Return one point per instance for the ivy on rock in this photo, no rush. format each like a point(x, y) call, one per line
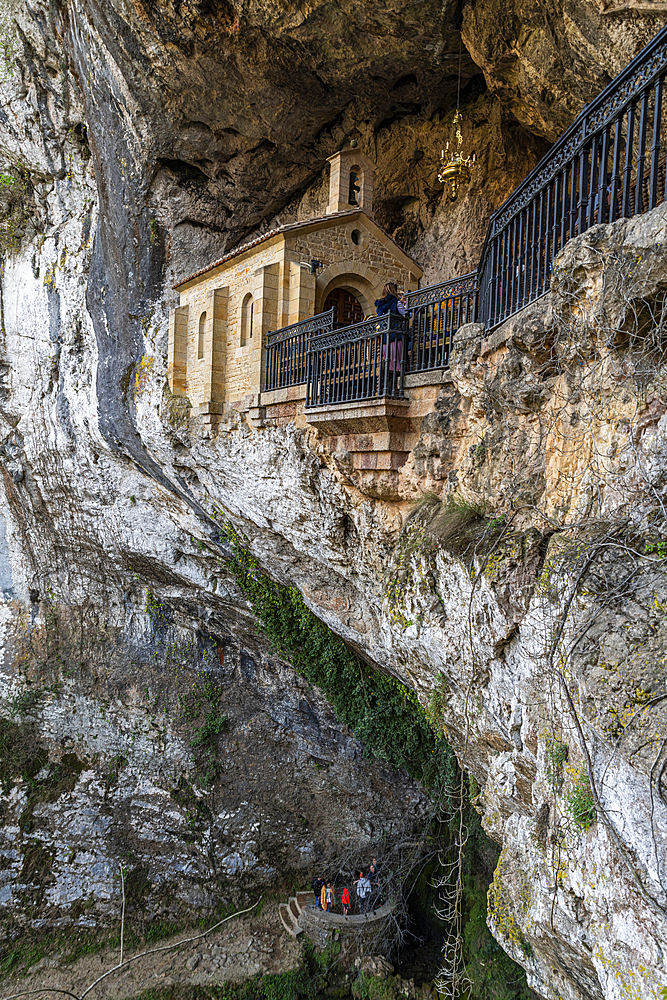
point(383, 713)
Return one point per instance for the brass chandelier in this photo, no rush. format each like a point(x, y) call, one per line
point(455, 165)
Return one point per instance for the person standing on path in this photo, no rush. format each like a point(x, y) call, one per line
point(327, 898)
point(316, 886)
point(346, 902)
point(363, 892)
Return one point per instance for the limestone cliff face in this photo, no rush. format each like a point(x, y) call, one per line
point(143, 139)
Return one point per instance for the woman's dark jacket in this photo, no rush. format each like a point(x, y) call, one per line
point(388, 304)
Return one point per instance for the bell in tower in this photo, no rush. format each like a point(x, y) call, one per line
point(350, 181)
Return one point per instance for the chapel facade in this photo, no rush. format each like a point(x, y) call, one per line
point(218, 331)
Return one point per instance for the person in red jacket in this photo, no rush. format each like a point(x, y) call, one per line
point(346, 902)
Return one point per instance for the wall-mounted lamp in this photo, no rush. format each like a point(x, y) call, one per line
point(313, 265)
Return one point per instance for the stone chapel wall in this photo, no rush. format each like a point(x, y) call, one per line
point(216, 356)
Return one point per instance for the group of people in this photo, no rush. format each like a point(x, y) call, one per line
point(367, 890)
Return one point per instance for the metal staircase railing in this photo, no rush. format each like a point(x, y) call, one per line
point(609, 164)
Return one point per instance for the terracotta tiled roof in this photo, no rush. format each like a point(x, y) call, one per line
point(275, 232)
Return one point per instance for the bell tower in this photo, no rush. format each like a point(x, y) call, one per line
point(350, 181)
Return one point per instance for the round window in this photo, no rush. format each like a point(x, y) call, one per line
point(355, 236)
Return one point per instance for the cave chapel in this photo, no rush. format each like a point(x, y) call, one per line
point(343, 259)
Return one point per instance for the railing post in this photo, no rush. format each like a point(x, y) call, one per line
point(546, 259)
point(583, 182)
point(492, 285)
point(655, 146)
point(309, 379)
point(404, 351)
point(267, 366)
point(641, 154)
point(603, 178)
point(627, 167)
point(615, 173)
point(592, 180)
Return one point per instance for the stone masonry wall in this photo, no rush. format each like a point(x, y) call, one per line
point(240, 277)
point(283, 292)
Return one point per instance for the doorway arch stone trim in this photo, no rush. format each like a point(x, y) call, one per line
point(364, 282)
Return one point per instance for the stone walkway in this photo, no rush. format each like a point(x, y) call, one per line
point(239, 950)
point(357, 931)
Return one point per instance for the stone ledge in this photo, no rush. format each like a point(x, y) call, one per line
point(289, 394)
point(435, 376)
point(337, 921)
point(494, 340)
point(208, 409)
point(360, 417)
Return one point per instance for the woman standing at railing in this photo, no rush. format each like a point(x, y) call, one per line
point(389, 303)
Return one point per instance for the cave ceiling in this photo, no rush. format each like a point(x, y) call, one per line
point(239, 105)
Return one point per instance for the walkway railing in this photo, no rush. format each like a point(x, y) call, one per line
point(358, 362)
point(610, 164)
point(286, 350)
point(436, 313)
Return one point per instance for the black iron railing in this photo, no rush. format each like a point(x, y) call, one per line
point(286, 350)
point(359, 362)
point(435, 314)
point(610, 164)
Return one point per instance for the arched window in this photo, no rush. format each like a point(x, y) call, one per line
point(355, 186)
point(200, 341)
point(246, 319)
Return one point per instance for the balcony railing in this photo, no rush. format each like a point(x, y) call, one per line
point(610, 164)
point(359, 362)
point(435, 314)
point(286, 350)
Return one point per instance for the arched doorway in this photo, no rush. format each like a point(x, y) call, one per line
point(348, 308)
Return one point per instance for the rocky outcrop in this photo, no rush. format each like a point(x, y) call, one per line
point(546, 60)
point(492, 605)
